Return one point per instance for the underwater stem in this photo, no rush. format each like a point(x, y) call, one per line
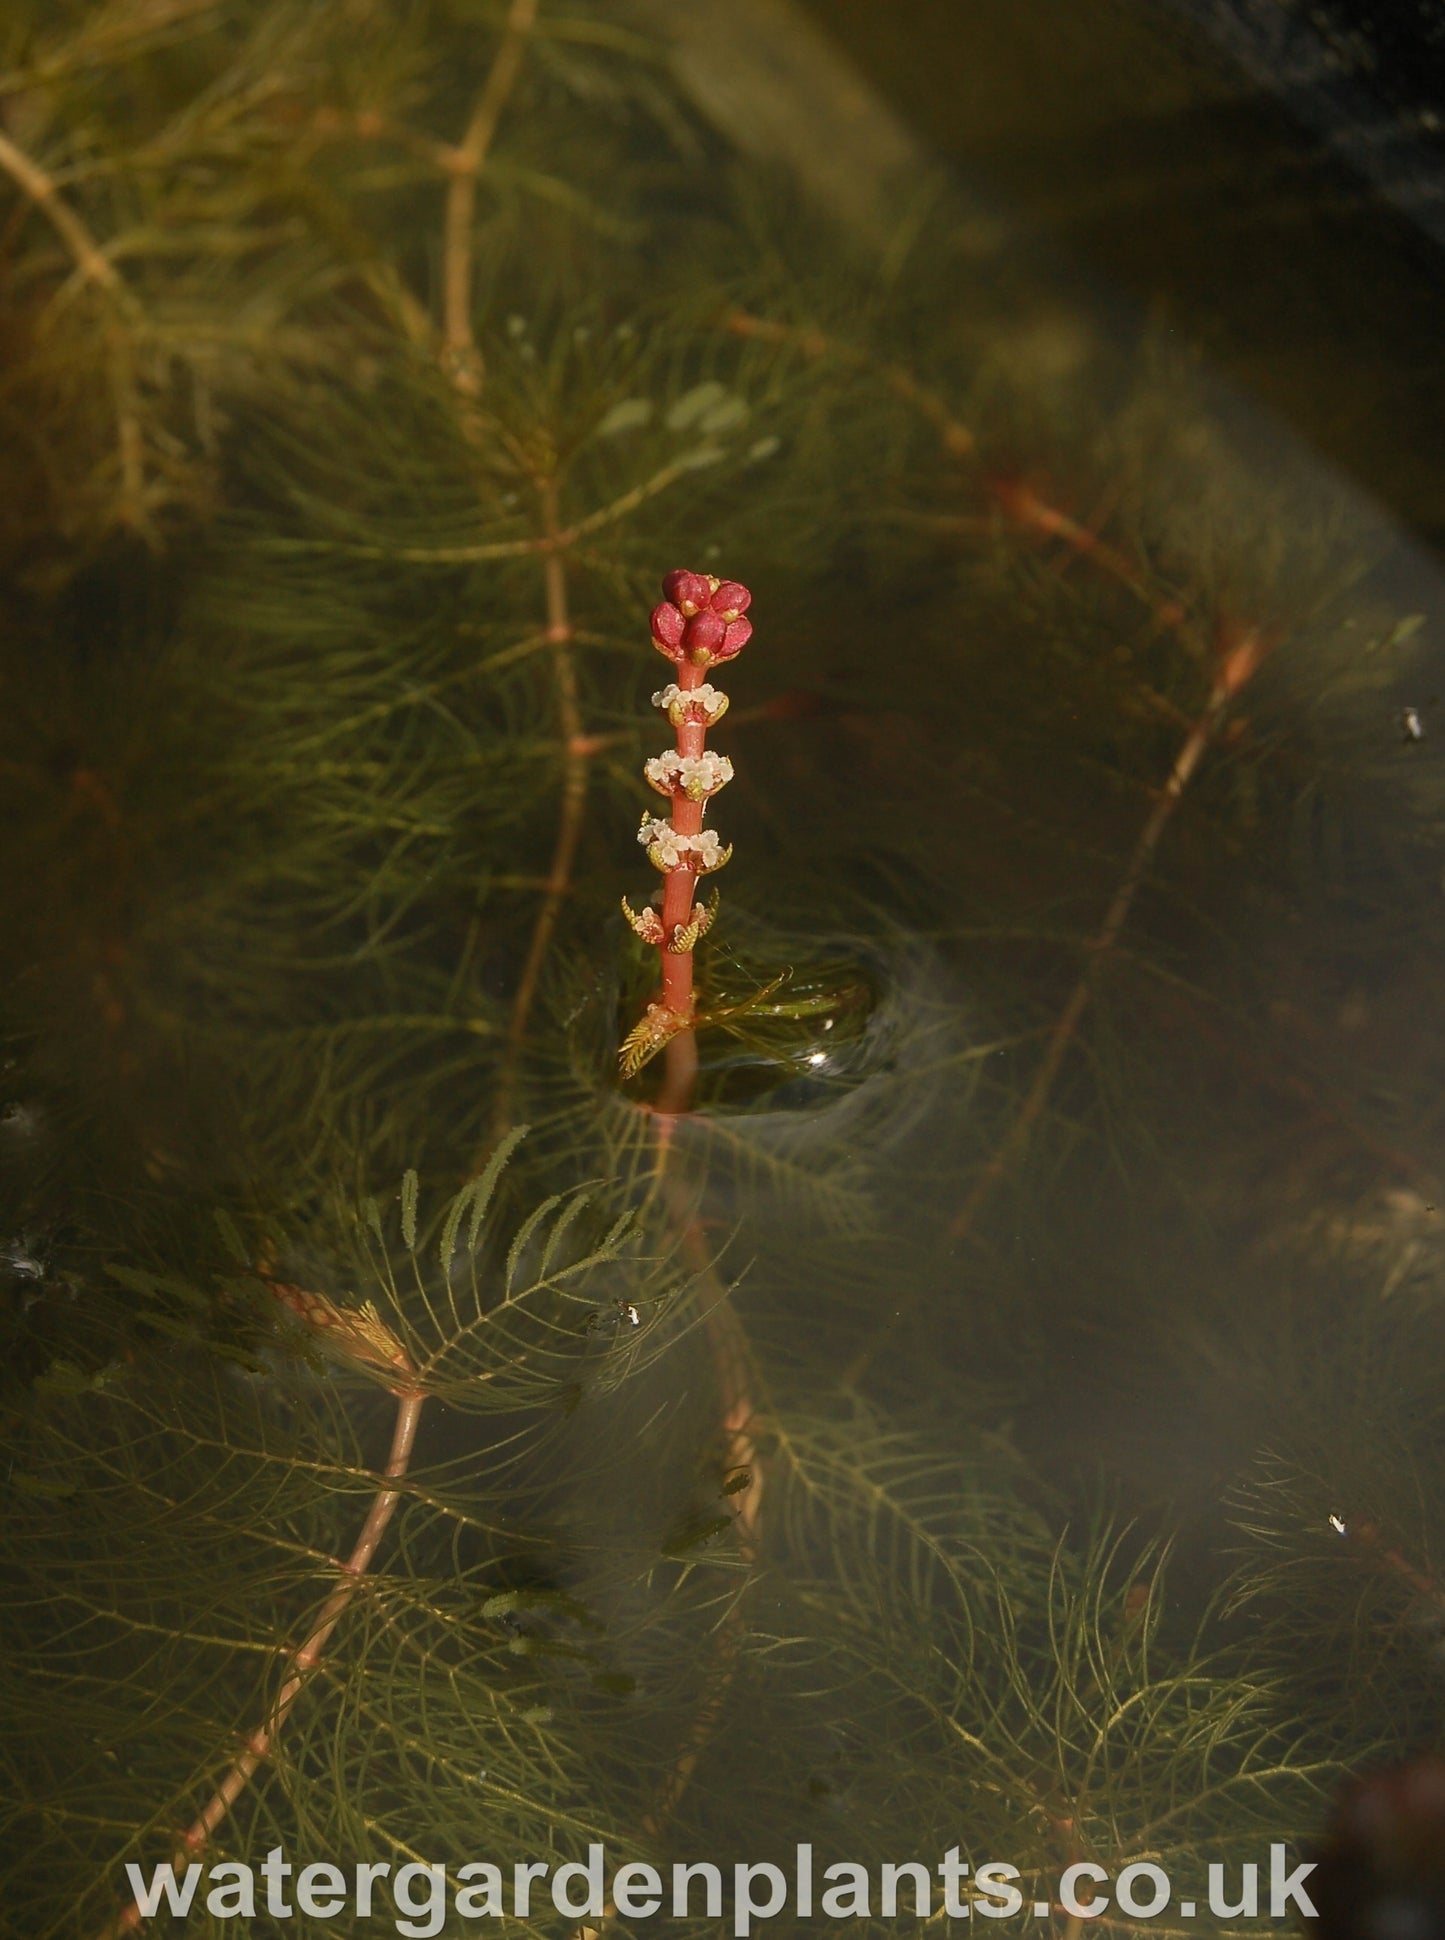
point(92, 263)
point(732, 1364)
point(1018, 502)
point(95, 266)
point(957, 438)
point(1239, 661)
point(1023, 505)
point(578, 754)
point(1367, 1536)
point(698, 625)
point(301, 1661)
point(129, 434)
point(1236, 669)
point(465, 163)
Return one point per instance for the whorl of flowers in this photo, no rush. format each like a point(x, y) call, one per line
point(697, 775)
point(698, 625)
point(704, 705)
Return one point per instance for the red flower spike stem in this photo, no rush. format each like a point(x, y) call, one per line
point(698, 625)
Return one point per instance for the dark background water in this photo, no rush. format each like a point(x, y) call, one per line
point(1264, 178)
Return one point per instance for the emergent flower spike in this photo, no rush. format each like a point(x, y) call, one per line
point(698, 625)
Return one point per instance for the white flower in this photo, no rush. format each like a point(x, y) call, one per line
point(709, 851)
point(662, 842)
point(704, 774)
point(661, 769)
point(646, 922)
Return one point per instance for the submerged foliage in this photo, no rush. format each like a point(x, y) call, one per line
point(1062, 1138)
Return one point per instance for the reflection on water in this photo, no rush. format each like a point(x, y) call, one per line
point(1003, 1413)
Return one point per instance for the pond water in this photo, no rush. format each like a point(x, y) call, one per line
point(993, 1415)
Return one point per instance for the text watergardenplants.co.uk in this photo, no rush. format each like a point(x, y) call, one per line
point(417, 1897)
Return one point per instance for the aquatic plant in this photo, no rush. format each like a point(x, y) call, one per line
point(698, 625)
point(730, 1476)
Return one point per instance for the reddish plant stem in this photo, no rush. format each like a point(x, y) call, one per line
point(698, 625)
point(1367, 1536)
point(1018, 502)
point(577, 754)
point(1318, 1112)
point(679, 1082)
point(465, 165)
point(301, 1661)
point(732, 1366)
point(93, 265)
point(679, 884)
point(1237, 667)
point(1026, 508)
point(957, 438)
point(680, 1059)
point(1021, 504)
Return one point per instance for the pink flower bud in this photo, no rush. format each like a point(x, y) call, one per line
point(704, 635)
point(689, 591)
point(734, 639)
point(730, 600)
point(668, 626)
